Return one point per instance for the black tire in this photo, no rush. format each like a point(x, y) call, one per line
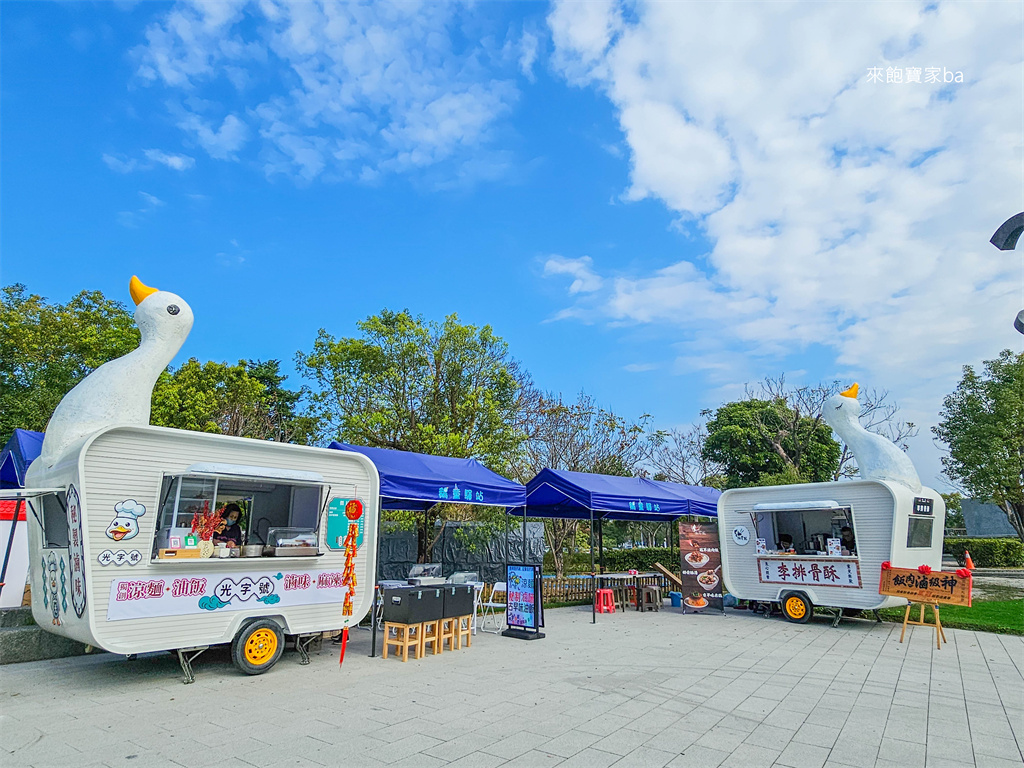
point(796, 607)
point(257, 646)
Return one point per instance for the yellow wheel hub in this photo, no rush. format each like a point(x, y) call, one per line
point(260, 646)
point(796, 607)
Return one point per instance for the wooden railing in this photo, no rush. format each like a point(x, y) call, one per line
point(573, 589)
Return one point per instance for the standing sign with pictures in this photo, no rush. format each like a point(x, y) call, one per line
point(524, 611)
point(701, 561)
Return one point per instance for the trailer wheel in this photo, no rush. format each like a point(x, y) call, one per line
point(257, 646)
point(796, 607)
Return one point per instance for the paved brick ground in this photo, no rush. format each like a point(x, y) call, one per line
point(641, 691)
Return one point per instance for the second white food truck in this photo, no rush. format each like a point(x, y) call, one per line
point(888, 522)
point(824, 543)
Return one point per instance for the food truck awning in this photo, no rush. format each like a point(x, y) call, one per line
point(20, 451)
point(418, 481)
point(562, 494)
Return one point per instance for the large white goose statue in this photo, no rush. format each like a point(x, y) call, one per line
point(121, 391)
point(877, 458)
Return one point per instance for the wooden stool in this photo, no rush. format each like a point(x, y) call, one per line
point(463, 631)
point(406, 636)
point(447, 633)
point(430, 632)
point(652, 598)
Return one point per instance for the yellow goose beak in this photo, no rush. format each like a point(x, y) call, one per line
point(851, 392)
point(140, 290)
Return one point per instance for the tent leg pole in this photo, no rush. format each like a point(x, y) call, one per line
point(376, 576)
point(600, 543)
point(10, 543)
point(593, 579)
point(524, 535)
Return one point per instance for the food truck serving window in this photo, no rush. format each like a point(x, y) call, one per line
point(52, 514)
point(264, 504)
point(806, 530)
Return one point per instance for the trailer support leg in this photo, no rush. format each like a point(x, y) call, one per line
point(303, 644)
point(186, 661)
point(837, 617)
point(878, 618)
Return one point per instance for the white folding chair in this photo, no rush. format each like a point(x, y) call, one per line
point(478, 588)
point(492, 606)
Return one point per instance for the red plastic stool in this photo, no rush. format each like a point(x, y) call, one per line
point(605, 601)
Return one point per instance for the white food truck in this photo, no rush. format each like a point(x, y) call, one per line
point(115, 565)
point(785, 545)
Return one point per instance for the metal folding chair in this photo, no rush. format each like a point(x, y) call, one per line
point(492, 606)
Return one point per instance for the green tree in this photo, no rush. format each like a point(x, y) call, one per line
point(245, 400)
point(766, 441)
point(954, 510)
point(982, 423)
point(577, 436)
point(447, 389)
point(49, 347)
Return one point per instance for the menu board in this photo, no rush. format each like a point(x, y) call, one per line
point(524, 607)
point(701, 565)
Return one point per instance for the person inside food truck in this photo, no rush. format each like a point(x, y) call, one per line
point(847, 542)
point(229, 532)
point(785, 542)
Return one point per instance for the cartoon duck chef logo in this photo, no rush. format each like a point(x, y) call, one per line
point(125, 525)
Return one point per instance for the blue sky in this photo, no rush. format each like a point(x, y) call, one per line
point(654, 203)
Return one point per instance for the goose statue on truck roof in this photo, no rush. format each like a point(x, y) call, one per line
point(121, 391)
point(877, 458)
point(113, 561)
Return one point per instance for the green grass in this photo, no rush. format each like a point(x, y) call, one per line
point(1003, 616)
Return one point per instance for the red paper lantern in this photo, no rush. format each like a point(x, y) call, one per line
point(924, 569)
point(354, 509)
point(886, 565)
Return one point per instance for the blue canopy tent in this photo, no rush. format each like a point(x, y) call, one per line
point(417, 481)
point(20, 451)
point(557, 493)
point(575, 495)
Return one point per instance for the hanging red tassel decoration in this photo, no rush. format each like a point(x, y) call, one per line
point(344, 642)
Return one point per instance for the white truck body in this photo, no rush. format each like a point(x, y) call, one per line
point(103, 584)
point(882, 515)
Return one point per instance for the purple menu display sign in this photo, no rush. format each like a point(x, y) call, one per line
point(701, 565)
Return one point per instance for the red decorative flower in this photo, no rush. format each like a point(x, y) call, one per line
point(963, 573)
point(886, 565)
point(925, 569)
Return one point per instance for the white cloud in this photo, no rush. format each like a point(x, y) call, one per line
point(345, 90)
point(640, 367)
point(153, 157)
point(840, 213)
point(528, 46)
point(121, 165)
point(175, 162)
point(221, 143)
point(134, 219)
point(585, 279)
